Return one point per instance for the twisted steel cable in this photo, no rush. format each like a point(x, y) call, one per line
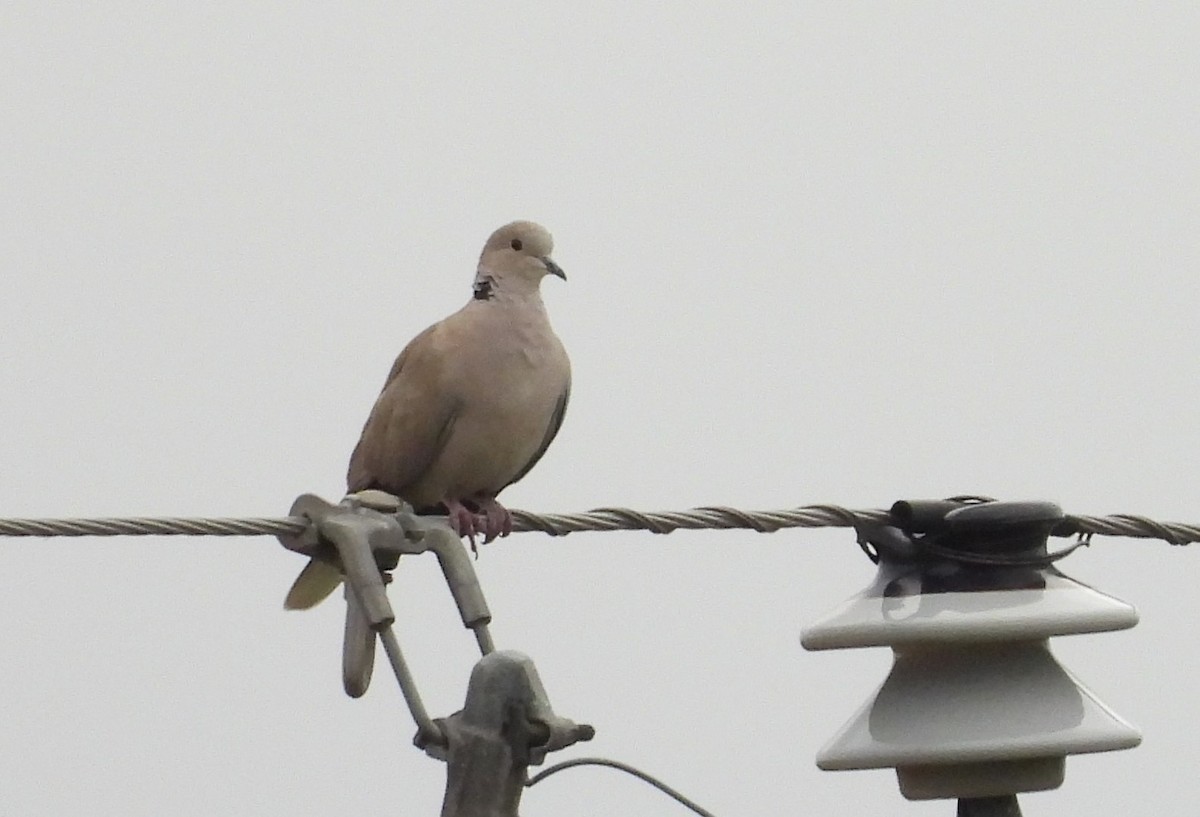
point(153, 526)
point(600, 519)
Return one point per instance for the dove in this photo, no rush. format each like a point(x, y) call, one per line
point(470, 405)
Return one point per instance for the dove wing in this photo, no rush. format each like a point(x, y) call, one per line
point(410, 423)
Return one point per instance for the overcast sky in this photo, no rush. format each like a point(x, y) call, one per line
point(818, 252)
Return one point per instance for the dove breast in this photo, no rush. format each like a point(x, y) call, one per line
point(471, 405)
point(509, 378)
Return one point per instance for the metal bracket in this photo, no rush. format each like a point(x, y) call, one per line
point(364, 537)
point(506, 725)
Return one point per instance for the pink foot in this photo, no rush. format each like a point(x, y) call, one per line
point(498, 519)
point(463, 522)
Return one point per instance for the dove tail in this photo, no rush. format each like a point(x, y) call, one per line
point(316, 581)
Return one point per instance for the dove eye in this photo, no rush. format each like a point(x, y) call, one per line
point(516, 244)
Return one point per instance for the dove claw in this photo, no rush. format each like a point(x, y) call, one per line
point(497, 518)
point(463, 522)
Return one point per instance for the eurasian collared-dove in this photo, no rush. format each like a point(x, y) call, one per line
point(470, 405)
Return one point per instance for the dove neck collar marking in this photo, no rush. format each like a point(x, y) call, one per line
point(485, 288)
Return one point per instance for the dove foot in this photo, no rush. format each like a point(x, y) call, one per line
point(464, 522)
point(498, 520)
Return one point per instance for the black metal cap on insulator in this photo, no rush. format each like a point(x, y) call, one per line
point(980, 527)
point(1004, 527)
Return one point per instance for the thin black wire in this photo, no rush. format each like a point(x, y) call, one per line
point(624, 767)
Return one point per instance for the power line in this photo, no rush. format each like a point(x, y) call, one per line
point(598, 520)
point(153, 526)
point(628, 769)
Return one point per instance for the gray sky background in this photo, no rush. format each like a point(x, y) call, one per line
point(840, 252)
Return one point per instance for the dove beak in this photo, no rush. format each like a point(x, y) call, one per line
point(554, 269)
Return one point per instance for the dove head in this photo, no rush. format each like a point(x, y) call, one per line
point(515, 259)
